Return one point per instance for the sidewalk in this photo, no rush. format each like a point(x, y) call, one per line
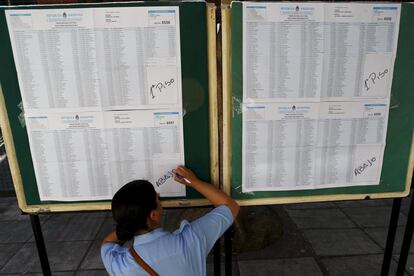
point(338, 238)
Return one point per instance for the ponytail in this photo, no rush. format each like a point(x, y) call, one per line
point(124, 233)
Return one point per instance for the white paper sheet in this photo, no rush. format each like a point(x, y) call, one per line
point(79, 156)
point(291, 146)
point(97, 58)
point(318, 52)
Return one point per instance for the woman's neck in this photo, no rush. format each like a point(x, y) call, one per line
point(150, 228)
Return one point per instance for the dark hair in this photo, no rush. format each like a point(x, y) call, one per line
point(131, 206)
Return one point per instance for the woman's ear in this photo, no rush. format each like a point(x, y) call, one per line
point(155, 217)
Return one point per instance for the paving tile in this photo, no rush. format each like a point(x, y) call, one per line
point(43, 218)
point(405, 205)
point(313, 205)
point(320, 218)
point(288, 267)
point(15, 231)
point(10, 211)
point(92, 273)
point(106, 227)
point(54, 273)
point(373, 216)
point(380, 236)
point(339, 242)
point(93, 257)
point(63, 256)
point(70, 229)
point(409, 267)
point(291, 244)
point(369, 265)
point(364, 203)
point(7, 251)
point(79, 215)
point(8, 200)
point(234, 269)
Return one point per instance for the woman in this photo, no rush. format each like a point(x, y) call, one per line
point(137, 211)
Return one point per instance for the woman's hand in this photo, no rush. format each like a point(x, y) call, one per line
point(185, 176)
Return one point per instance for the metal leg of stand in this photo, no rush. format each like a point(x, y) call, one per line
point(216, 256)
point(392, 230)
point(40, 244)
point(228, 235)
point(408, 234)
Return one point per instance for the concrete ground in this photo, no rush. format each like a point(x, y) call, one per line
point(338, 238)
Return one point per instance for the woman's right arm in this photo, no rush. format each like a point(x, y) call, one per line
point(214, 195)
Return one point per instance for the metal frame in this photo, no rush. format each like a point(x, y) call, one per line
point(406, 243)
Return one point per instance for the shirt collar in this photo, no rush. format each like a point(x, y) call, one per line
point(150, 236)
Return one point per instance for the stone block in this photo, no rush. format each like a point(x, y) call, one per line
point(288, 267)
point(320, 218)
point(63, 256)
point(339, 242)
point(369, 265)
point(373, 216)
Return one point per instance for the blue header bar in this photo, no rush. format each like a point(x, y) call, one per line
point(385, 8)
point(161, 11)
point(166, 113)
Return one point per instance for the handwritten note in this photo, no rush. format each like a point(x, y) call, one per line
point(164, 182)
point(163, 179)
point(373, 79)
point(159, 87)
point(163, 85)
point(365, 165)
point(376, 78)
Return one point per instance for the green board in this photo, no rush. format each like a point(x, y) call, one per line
point(400, 125)
point(194, 48)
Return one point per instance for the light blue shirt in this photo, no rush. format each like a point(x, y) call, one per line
point(181, 253)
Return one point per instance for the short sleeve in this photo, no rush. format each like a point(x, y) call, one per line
point(107, 255)
point(210, 227)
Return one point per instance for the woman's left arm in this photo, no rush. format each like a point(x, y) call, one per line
point(111, 238)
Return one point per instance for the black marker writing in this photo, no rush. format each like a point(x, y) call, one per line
point(365, 165)
point(373, 77)
point(165, 177)
point(158, 87)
